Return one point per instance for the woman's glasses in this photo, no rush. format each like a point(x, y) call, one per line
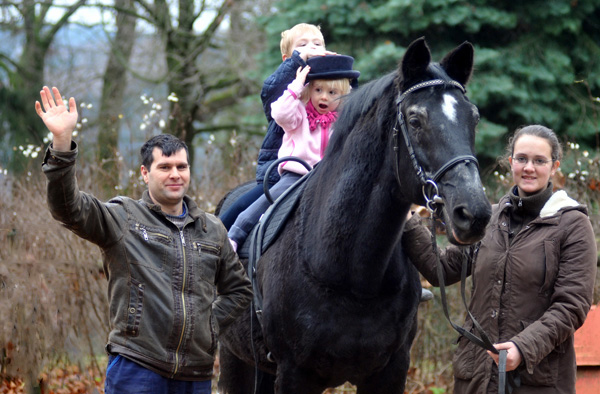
point(523, 160)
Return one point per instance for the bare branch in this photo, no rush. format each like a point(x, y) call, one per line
point(159, 15)
point(62, 21)
point(9, 60)
point(129, 11)
point(202, 42)
point(148, 9)
point(44, 9)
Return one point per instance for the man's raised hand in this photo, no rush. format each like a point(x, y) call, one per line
point(58, 119)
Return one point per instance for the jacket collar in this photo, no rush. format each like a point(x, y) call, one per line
point(558, 201)
point(529, 206)
point(556, 204)
point(193, 210)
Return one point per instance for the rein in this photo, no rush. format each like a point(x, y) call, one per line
point(432, 198)
point(483, 340)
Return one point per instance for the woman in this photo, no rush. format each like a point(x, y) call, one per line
point(533, 275)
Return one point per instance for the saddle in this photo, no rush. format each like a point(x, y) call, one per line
point(271, 223)
point(266, 232)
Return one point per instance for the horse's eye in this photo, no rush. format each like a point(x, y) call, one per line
point(414, 122)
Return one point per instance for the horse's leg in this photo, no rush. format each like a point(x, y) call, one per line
point(392, 378)
point(293, 380)
point(236, 376)
point(266, 383)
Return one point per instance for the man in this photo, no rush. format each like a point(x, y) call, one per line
point(163, 258)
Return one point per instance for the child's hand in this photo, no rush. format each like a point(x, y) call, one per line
point(301, 74)
point(308, 52)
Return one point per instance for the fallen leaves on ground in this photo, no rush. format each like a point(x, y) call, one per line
point(67, 380)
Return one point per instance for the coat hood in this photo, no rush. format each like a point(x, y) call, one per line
point(558, 201)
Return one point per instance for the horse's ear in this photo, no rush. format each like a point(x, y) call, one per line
point(458, 63)
point(415, 60)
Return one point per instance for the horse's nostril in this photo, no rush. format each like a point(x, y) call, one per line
point(462, 218)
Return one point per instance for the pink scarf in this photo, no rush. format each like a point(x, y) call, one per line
point(325, 120)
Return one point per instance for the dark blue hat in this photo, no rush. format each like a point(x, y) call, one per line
point(332, 67)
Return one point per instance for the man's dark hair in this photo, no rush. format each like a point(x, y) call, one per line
point(167, 143)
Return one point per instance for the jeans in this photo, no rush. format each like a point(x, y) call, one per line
point(247, 220)
point(124, 376)
point(228, 217)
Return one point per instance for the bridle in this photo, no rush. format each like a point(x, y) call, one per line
point(428, 182)
point(432, 199)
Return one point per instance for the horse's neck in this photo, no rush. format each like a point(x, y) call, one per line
point(354, 225)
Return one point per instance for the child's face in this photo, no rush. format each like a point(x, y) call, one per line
point(308, 40)
point(324, 98)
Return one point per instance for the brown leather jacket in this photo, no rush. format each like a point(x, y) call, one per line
point(170, 290)
point(534, 291)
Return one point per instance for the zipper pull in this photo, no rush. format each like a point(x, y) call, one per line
point(182, 238)
point(520, 203)
point(145, 233)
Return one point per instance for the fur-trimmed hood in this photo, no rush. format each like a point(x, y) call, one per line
point(558, 201)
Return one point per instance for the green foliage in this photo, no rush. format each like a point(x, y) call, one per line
point(384, 59)
point(535, 61)
point(22, 78)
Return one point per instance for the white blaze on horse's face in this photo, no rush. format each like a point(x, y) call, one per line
point(449, 107)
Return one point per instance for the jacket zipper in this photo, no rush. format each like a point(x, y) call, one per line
point(182, 303)
point(145, 232)
point(216, 250)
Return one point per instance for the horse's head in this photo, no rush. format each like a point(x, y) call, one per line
point(436, 128)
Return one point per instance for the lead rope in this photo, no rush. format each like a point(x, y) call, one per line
point(482, 341)
point(429, 184)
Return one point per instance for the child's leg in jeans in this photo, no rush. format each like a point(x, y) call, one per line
point(228, 217)
point(247, 220)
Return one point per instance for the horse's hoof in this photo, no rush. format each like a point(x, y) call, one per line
point(426, 295)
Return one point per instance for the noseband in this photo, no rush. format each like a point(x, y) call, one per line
point(428, 182)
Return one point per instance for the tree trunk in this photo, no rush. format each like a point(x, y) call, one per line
point(27, 78)
point(113, 90)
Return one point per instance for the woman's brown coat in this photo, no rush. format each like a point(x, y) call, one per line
point(534, 291)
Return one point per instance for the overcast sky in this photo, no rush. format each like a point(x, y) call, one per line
point(91, 14)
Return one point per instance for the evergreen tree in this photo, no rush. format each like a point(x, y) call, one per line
point(536, 61)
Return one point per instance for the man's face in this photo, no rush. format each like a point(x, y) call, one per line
point(168, 177)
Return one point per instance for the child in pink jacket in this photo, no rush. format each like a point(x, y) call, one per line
point(306, 114)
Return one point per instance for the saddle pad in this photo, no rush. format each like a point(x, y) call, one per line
point(274, 218)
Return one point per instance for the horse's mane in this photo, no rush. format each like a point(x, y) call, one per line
point(358, 103)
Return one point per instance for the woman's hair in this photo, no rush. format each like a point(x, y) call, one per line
point(288, 36)
point(537, 131)
point(342, 85)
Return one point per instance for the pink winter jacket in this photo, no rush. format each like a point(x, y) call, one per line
point(290, 113)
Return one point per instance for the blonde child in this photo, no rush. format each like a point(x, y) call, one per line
point(306, 114)
point(298, 44)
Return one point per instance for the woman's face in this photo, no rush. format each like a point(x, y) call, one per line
point(531, 164)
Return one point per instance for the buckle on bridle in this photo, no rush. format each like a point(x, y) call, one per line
point(431, 194)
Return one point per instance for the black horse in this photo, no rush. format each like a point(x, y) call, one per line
point(340, 297)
